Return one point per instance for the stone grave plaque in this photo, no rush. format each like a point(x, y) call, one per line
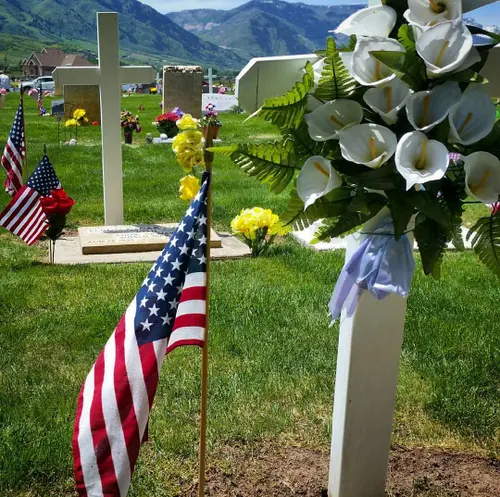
point(57, 108)
point(132, 238)
point(182, 87)
point(84, 97)
point(223, 103)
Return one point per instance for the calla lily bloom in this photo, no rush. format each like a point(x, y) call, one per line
point(372, 21)
point(432, 12)
point(444, 47)
point(426, 109)
point(316, 178)
point(420, 160)
point(325, 121)
point(482, 176)
point(388, 100)
point(366, 69)
point(369, 144)
point(472, 118)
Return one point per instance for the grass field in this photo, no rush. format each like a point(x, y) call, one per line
point(272, 353)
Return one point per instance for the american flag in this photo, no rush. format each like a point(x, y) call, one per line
point(39, 101)
point(14, 153)
point(115, 401)
point(24, 216)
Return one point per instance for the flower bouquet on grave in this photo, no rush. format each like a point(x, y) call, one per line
point(166, 123)
point(259, 228)
point(129, 123)
point(211, 118)
point(79, 115)
point(56, 207)
point(395, 129)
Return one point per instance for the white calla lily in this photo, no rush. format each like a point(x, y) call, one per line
point(316, 178)
point(366, 69)
point(471, 59)
point(388, 100)
point(426, 109)
point(420, 160)
point(472, 118)
point(432, 12)
point(369, 144)
point(482, 176)
point(372, 21)
point(325, 121)
point(444, 47)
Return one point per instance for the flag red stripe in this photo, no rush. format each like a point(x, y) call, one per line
point(80, 484)
point(149, 369)
point(102, 447)
point(181, 343)
point(189, 320)
point(194, 293)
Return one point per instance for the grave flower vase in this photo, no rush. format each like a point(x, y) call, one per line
point(215, 131)
point(127, 134)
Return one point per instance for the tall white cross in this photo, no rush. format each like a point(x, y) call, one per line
point(210, 77)
point(109, 76)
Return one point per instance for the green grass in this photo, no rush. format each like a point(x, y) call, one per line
point(272, 352)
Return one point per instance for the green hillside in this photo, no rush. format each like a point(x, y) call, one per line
point(145, 34)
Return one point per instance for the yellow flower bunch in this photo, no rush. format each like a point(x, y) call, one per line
point(71, 122)
point(187, 121)
point(79, 114)
point(188, 146)
point(259, 227)
point(189, 187)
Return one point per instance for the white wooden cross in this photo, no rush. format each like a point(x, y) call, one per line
point(109, 76)
point(210, 77)
point(370, 341)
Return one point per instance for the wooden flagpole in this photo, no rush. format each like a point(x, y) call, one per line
point(209, 158)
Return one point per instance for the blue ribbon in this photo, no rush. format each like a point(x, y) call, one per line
point(381, 265)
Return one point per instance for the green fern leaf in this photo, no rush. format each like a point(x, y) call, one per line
point(287, 111)
point(405, 37)
point(272, 163)
point(486, 241)
point(335, 81)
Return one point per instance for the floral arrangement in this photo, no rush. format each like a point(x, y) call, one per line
point(71, 123)
point(187, 145)
point(166, 123)
point(3, 91)
point(396, 125)
point(189, 187)
point(211, 117)
point(79, 115)
point(56, 207)
point(129, 122)
point(153, 90)
point(95, 123)
point(259, 228)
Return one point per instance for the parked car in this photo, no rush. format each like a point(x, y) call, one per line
point(47, 83)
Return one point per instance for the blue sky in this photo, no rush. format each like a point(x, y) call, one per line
point(485, 15)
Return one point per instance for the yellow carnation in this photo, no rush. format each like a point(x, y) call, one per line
point(187, 122)
point(71, 122)
point(189, 187)
point(79, 114)
point(189, 158)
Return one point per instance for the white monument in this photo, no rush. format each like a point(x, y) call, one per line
point(370, 341)
point(109, 76)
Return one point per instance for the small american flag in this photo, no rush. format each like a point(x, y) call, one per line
point(115, 401)
point(14, 153)
point(39, 101)
point(24, 215)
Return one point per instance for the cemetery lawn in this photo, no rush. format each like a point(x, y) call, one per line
point(272, 352)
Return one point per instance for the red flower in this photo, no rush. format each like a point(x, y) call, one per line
point(168, 117)
point(95, 123)
point(64, 206)
point(49, 206)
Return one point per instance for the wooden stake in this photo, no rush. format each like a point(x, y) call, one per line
point(209, 158)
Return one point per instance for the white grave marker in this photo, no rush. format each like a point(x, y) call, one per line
point(210, 77)
point(370, 341)
point(109, 76)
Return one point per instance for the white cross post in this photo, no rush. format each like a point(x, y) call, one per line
point(210, 77)
point(109, 76)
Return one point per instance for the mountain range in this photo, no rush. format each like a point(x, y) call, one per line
point(266, 27)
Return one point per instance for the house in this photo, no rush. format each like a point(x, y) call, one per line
point(44, 62)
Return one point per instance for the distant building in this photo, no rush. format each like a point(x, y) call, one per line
point(44, 62)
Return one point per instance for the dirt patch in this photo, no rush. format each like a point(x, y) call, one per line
point(292, 471)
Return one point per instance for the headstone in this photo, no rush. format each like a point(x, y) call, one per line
point(57, 108)
point(124, 239)
point(223, 103)
point(82, 97)
point(182, 87)
point(266, 77)
point(110, 77)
